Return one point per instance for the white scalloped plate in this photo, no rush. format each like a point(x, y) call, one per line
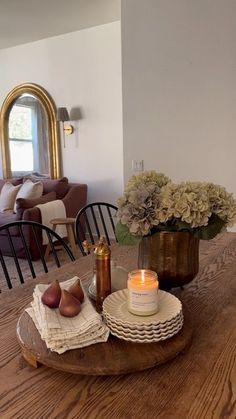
point(150, 330)
point(115, 306)
point(140, 338)
point(145, 334)
point(157, 326)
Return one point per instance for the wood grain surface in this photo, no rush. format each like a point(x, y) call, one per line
point(201, 383)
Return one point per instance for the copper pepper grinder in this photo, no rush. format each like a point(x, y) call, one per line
point(103, 272)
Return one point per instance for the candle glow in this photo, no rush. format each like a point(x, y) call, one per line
point(143, 287)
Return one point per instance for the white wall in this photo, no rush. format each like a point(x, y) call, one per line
point(179, 88)
point(80, 69)
point(179, 92)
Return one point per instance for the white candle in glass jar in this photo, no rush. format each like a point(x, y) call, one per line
point(142, 292)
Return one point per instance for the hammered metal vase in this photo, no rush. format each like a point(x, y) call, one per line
point(173, 255)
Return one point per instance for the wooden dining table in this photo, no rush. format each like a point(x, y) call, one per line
point(199, 383)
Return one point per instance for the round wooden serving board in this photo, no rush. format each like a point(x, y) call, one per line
point(113, 357)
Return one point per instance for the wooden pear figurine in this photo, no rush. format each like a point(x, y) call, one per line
point(76, 290)
point(52, 295)
point(69, 306)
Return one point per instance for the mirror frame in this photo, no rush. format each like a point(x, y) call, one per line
point(49, 107)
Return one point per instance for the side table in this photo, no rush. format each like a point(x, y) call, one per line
point(69, 224)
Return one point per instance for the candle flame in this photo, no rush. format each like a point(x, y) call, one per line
point(142, 276)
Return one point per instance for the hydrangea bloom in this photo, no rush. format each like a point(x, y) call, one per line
point(137, 208)
point(151, 202)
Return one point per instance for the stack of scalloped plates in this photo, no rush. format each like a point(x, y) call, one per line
point(143, 329)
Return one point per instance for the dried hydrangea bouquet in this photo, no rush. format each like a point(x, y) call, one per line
point(152, 204)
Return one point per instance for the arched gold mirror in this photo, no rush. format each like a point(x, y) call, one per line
point(29, 133)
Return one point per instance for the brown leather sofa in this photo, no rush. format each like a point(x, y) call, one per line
point(74, 196)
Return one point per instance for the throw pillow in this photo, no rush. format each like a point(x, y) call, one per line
point(29, 190)
point(22, 204)
point(14, 181)
point(60, 186)
point(8, 196)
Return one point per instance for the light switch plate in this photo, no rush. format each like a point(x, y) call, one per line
point(137, 165)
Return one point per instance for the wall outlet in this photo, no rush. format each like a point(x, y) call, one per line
point(137, 165)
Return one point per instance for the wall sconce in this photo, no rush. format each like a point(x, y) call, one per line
point(62, 116)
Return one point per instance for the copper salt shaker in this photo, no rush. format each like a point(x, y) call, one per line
point(103, 272)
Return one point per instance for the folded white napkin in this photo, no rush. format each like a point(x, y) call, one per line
point(64, 333)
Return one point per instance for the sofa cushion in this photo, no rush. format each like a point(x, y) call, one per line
point(22, 204)
point(6, 218)
point(8, 196)
point(16, 180)
point(29, 190)
point(60, 186)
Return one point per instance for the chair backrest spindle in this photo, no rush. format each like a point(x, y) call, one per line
point(95, 220)
point(40, 250)
point(10, 251)
point(27, 252)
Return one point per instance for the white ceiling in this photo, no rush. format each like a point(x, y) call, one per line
point(23, 21)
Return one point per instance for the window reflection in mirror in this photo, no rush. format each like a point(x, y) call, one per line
point(28, 136)
point(29, 133)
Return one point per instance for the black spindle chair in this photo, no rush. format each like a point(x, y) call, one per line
point(93, 221)
point(14, 242)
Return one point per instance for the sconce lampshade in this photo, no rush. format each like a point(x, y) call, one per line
point(62, 114)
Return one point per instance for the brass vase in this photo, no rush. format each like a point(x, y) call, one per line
point(173, 255)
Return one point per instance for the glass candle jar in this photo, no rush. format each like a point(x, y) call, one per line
point(142, 292)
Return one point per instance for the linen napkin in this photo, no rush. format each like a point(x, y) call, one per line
point(63, 333)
